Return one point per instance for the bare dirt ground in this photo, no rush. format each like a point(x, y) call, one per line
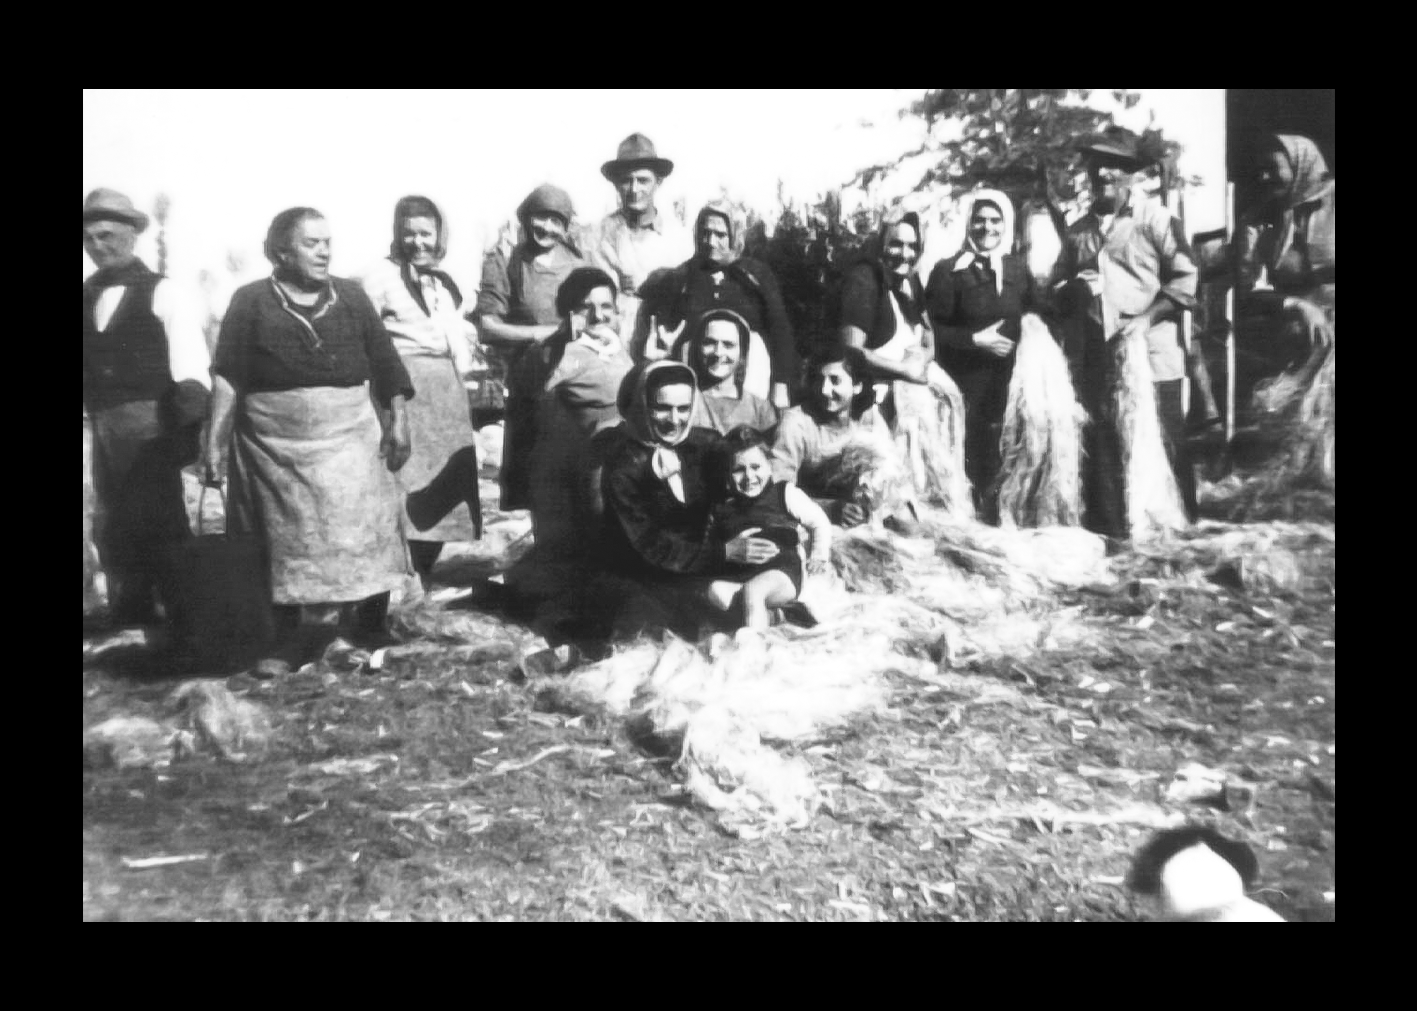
point(442, 787)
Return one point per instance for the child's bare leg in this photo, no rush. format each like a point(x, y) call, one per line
point(764, 591)
point(721, 593)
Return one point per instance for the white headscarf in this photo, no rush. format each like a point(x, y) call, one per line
point(995, 256)
point(635, 409)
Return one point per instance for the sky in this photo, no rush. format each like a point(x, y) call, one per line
point(229, 160)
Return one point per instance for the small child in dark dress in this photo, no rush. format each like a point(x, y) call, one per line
point(752, 501)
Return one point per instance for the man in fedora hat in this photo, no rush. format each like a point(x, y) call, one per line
point(637, 240)
point(1129, 273)
point(146, 388)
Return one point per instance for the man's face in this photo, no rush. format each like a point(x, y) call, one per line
point(309, 252)
point(900, 251)
point(110, 243)
point(637, 190)
point(713, 240)
point(419, 239)
point(720, 349)
point(546, 230)
point(834, 389)
point(597, 309)
point(669, 411)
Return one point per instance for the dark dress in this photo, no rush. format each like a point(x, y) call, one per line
point(961, 303)
point(768, 512)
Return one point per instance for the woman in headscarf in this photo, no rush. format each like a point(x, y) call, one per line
point(308, 380)
point(715, 346)
point(1287, 257)
point(420, 307)
point(880, 311)
point(657, 548)
point(719, 276)
point(516, 309)
point(975, 300)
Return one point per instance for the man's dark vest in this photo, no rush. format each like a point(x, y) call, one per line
point(128, 361)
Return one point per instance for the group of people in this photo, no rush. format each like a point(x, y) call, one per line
point(647, 379)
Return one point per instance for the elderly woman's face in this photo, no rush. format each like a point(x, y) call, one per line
point(596, 310)
point(418, 237)
point(714, 240)
point(546, 229)
point(669, 410)
point(986, 227)
point(308, 255)
point(720, 350)
point(900, 253)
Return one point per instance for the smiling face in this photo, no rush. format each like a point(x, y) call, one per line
point(833, 389)
point(714, 240)
point(986, 227)
point(308, 256)
point(546, 230)
point(901, 249)
point(750, 472)
point(110, 244)
point(720, 349)
point(669, 410)
point(636, 190)
point(418, 238)
point(597, 309)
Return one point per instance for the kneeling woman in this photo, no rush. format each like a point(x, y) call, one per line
point(295, 362)
point(658, 551)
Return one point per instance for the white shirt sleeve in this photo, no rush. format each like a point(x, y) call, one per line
point(811, 516)
point(187, 353)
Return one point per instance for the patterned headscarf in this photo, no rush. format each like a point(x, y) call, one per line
point(1311, 182)
point(737, 220)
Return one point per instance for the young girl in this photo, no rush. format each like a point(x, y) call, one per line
point(753, 501)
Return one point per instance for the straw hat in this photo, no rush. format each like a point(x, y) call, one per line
point(110, 205)
point(636, 152)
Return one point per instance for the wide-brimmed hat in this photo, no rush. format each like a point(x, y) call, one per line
point(1118, 144)
point(636, 152)
point(110, 205)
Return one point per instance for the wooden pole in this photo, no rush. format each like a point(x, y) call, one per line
point(1179, 198)
point(1230, 322)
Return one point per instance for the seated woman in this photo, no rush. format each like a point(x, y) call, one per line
point(881, 313)
point(419, 305)
point(839, 410)
point(1287, 251)
point(658, 553)
point(751, 501)
point(719, 276)
point(713, 346)
point(516, 309)
point(300, 364)
point(976, 299)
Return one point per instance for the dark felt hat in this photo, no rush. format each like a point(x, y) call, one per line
point(1118, 144)
point(636, 152)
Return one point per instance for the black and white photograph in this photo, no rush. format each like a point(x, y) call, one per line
point(825, 505)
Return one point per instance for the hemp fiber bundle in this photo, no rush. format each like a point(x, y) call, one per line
point(1303, 404)
point(1041, 443)
point(929, 435)
point(1153, 500)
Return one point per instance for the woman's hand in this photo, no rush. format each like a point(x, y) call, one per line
point(780, 399)
point(849, 514)
point(818, 566)
point(661, 339)
point(990, 340)
point(397, 443)
point(1315, 320)
point(214, 465)
point(749, 550)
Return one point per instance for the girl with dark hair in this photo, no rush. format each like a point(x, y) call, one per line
point(420, 307)
point(311, 393)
